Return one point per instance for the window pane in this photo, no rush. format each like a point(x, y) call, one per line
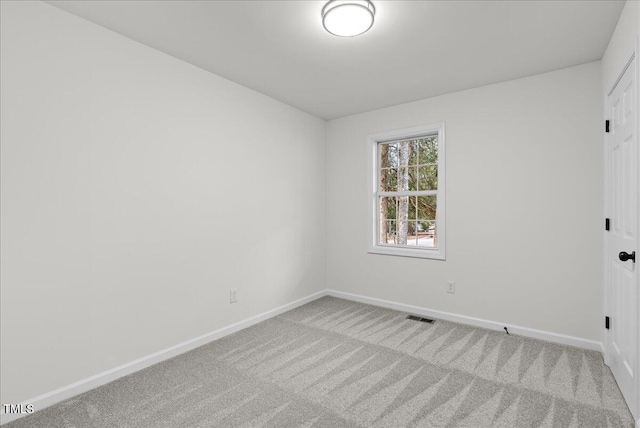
point(428, 150)
point(413, 178)
point(388, 179)
point(412, 211)
point(428, 177)
point(388, 208)
point(388, 155)
point(413, 152)
point(403, 179)
point(403, 213)
point(427, 206)
point(413, 236)
point(427, 236)
point(387, 220)
point(388, 232)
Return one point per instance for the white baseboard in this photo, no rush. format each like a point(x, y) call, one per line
point(478, 322)
point(50, 398)
point(66, 392)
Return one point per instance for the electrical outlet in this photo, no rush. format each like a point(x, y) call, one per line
point(233, 295)
point(451, 287)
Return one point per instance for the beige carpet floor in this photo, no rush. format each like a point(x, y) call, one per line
point(336, 363)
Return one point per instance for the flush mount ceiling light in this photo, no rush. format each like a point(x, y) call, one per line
point(348, 18)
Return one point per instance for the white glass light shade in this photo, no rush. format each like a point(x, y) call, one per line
point(348, 18)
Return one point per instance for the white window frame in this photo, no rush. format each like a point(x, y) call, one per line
point(373, 169)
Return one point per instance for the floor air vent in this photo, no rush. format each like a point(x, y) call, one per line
point(416, 318)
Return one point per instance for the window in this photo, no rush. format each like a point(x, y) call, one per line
point(407, 200)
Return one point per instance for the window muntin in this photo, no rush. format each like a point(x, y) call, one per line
point(408, 200)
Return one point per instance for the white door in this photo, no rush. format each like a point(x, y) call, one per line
point(622, 238)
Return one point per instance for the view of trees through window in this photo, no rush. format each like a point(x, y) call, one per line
point(408, 192)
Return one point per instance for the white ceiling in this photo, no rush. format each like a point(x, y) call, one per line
point(415, 50)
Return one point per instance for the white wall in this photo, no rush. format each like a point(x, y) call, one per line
point(136, 191)
point(524, 204)
point(621, 43)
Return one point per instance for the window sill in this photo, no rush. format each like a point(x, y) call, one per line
point(408, 252)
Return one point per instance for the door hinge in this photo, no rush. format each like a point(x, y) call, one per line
point(606, 126)
point(607, 224)
point(606, 323)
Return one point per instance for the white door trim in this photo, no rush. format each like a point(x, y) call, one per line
point(623, 68)
point(637, 416)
